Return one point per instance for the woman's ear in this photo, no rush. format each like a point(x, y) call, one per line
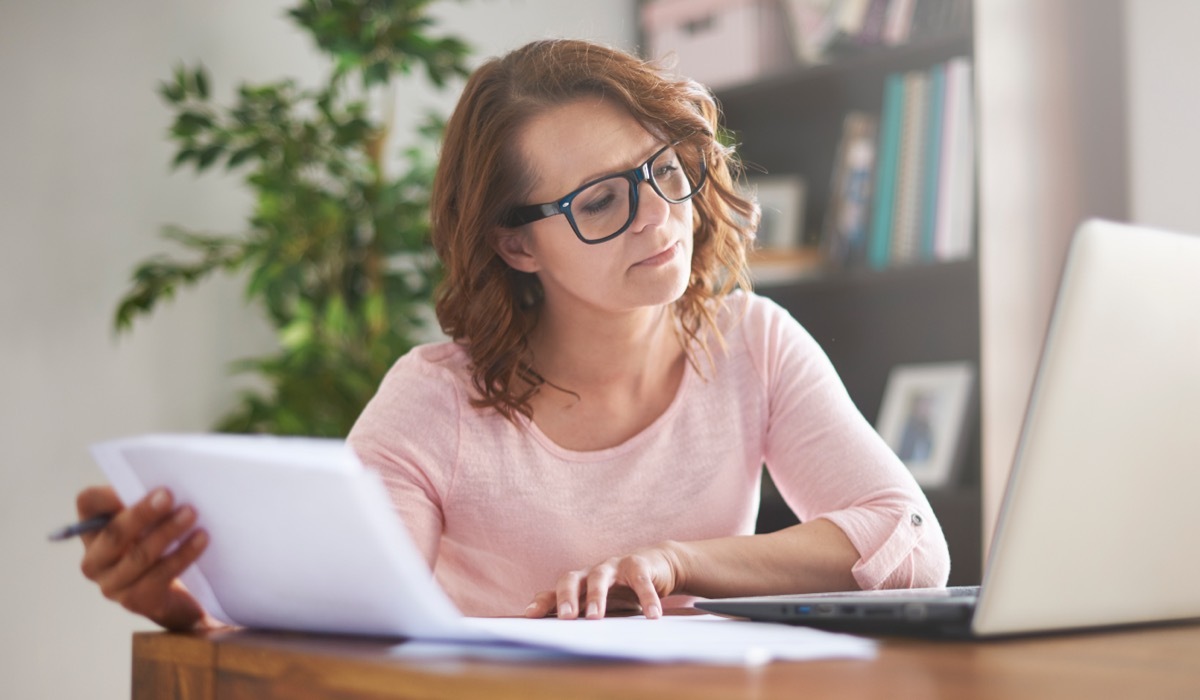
point(512, 247)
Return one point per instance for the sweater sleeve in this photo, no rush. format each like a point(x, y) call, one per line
point(828, 462)
point(409, 435)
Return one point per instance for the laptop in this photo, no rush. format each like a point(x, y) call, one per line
point(1100, 522)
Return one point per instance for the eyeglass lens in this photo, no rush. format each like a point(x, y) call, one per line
point(607, 206)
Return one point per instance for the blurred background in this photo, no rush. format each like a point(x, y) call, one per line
point(1080, 108)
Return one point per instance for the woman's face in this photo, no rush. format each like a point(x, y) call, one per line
point(647, 265)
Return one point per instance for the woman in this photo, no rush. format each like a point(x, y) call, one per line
point(592, 437)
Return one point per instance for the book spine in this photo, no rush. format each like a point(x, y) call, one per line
point(873, 23)
point(910, 169)
point(955, 209)
point(963, 224)
point(878, 251)
point(933, 160)
point(941, 231)
point(813, 28)
point(851, 15)
point(899, 22)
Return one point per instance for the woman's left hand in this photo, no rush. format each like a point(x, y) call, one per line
point(620, 583)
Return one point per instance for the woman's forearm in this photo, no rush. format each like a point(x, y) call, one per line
point(811, 557)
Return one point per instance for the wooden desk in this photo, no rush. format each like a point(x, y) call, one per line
point(1162, 662)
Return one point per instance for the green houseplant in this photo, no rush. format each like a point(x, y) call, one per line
point(336, 250)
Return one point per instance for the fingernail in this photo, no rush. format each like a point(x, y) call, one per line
point(653, 612)
point(185, 515)
point(531, 608)
point(160, 500)
point(200, 539)
point(564, 610)
point(593, 610)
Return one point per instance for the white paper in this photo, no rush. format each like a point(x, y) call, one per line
point(302, 538)
point(700, 638)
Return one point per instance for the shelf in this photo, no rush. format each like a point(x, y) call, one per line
point(810, 274)
point(849, 65)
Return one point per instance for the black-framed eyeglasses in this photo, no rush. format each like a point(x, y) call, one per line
point(604, 208)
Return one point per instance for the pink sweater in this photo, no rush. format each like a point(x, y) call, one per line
point(500, 511)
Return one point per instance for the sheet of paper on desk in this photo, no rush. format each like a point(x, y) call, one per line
point(302, 538)
point(695, 639)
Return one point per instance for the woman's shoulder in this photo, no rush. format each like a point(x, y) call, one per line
point(426, 377)
point(748, 314)
point(446, 358)
point(758, 330)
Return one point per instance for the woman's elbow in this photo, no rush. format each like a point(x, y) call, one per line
point(931, 562)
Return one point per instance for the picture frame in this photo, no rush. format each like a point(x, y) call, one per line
point(923, 417)
point(844, 238)
point(781, 200)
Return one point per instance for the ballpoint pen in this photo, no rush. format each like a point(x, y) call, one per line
point(81, 527)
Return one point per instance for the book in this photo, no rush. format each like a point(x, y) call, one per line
point(954, 227)
point(933, 160)
point(814, 28)
point(879, 243)
point(874, 23)
point(899, 22)
point(938, 17)
point(851, 16)
point(909, 170)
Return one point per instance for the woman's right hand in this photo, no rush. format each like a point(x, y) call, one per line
point(126, 557)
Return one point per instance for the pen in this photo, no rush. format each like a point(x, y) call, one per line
point(81, 527)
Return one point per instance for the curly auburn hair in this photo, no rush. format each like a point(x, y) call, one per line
point(490, 308)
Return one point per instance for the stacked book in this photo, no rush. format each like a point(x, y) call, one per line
point(824, 27)
point(904, 184)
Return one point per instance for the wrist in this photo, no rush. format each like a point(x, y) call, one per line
point(680, 557)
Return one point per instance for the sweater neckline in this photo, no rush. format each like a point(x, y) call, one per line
point(633, 443)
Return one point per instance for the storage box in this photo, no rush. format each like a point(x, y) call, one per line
point(718, 42)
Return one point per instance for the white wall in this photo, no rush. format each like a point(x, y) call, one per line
point(1053, 152)
point(1164, 111)
point(84, 189)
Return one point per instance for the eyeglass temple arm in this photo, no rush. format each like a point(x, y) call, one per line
point(530, 214)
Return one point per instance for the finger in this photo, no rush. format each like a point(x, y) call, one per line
point(146, 551)
point(182, 611)
point(635, 573)
point(107, 547)
point(171, 566)
point(94, 501)
point(150, 594)
point(599, 581)
point(567, 594)
point(542, 605)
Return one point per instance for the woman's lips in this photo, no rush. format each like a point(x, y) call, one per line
point(662, 258)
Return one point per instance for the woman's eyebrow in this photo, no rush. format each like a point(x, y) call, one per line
point(608, 172)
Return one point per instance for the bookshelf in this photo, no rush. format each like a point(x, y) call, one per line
point(789, 121)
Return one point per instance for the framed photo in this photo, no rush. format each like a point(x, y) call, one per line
point(923, 416)
point(844, 239)
point(781, 198)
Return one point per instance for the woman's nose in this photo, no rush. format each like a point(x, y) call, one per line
point(652, 210)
